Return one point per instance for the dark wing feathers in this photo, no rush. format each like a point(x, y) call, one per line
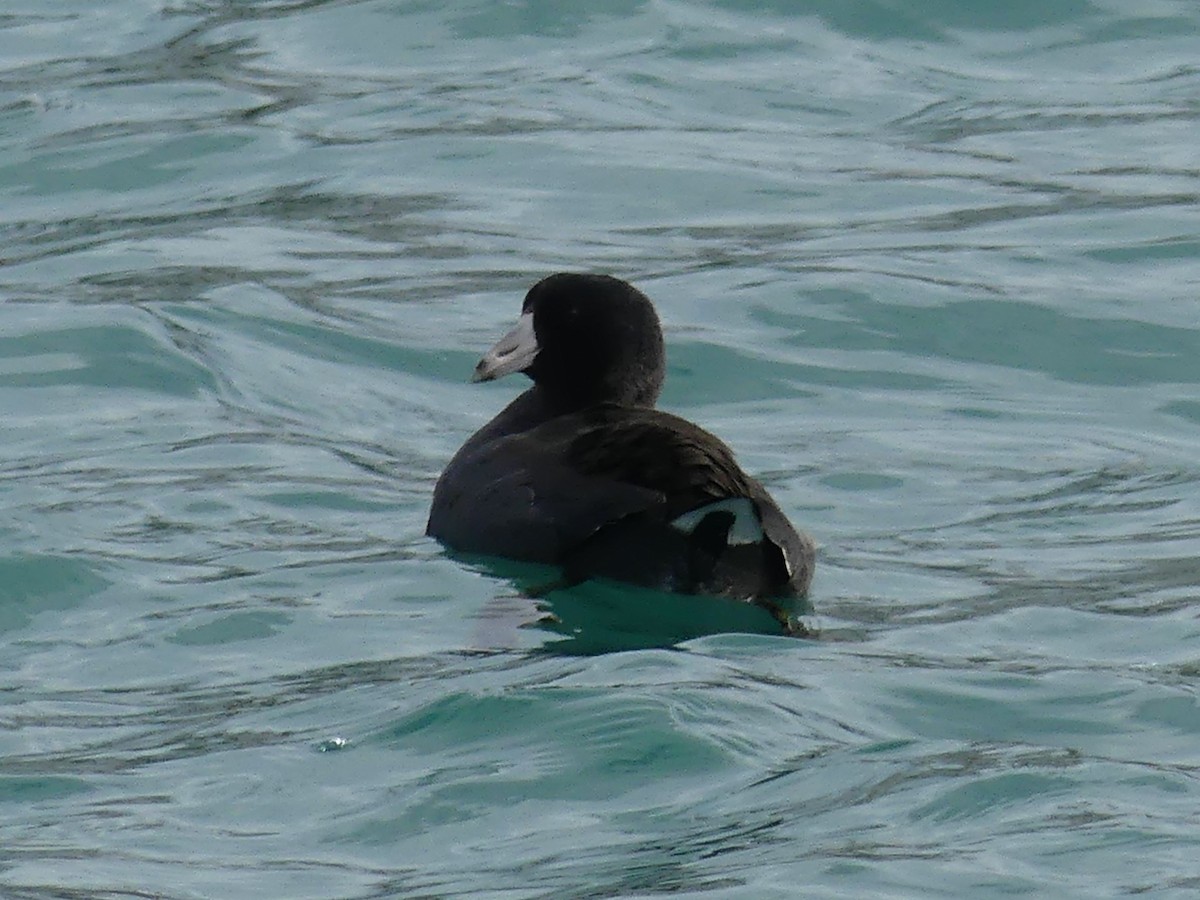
point(659, 452)
point(517, 497)
point(597, 489)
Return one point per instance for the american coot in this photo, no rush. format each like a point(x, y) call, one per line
point(581, 471)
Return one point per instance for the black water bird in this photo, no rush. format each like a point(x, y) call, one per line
point(582, 471)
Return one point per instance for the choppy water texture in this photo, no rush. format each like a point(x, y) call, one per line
point(932, 268)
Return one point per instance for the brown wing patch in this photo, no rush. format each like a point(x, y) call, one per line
point(660, 452)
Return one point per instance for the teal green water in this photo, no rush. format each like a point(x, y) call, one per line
point(931, 268)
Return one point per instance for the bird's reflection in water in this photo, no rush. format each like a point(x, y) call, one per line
point(600, 616)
